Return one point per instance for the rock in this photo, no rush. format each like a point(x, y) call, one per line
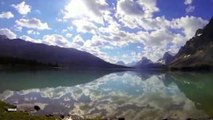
point(121, 118)
point(12, 110)
point(62, 116)
point(37, 108)
point(49, 115)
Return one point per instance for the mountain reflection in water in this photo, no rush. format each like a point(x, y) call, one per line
point(131, 95)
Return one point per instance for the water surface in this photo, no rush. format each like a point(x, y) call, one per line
point(132, 95)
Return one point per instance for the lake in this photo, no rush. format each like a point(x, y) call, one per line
point(133, 95)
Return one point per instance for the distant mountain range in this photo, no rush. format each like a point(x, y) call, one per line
point(162, 63)
point(121, 63)
point(19, 52)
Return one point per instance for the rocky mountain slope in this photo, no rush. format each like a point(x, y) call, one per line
point(166, 59)
point(197, 53)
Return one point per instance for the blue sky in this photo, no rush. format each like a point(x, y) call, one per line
point(114, 30)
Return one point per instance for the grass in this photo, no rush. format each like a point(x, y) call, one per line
point(5, 115)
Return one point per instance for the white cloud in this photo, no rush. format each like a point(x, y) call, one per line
point(139, 7)
point(33, 32)
point(93, 10)
point(8, 33)
point(158, 37)
point(156, 41)
point(190, 9)
point(22, 8)
point(18, 28)
point(131, 13)
point(84, 26)
point(32, 23)
point(189, 24)
point(56, 40)
point(130, 7)
point(152, 33)
point(162, 40)
point(162, 37)
point(27, 38)
point(154, 23)
point(6, 15)
point(77, 42)
point(156, 34)
point(188, 2)
point(68, 35)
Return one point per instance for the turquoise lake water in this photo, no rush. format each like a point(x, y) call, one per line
point(131, 95)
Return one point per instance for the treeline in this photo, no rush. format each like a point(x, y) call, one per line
point(17, 62)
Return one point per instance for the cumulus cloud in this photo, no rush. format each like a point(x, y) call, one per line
point(157, 41)
point(140, 7)
point(27, 38)
point(6, 15)
point(33, 32)
point(154, 23)
point(154, 34)
point(118, 26)
point(68, 35)
point(32, 23)
point(56, 40)
point(189, 24)
point(91, 9)
point(22, 8)
point(8, 33)
point(131, 7)
point(84, 26)
point(131, 13)
point(168, 39)
point(157, 37)
point(188, 2)
point(77, 42)
point(190, 9)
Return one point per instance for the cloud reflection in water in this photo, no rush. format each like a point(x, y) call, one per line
point(124, 94)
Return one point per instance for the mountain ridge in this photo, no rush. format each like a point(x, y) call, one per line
point(45, 54)
point(197, 52)
point(166, 59)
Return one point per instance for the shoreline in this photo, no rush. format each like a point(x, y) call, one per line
point(13, 114)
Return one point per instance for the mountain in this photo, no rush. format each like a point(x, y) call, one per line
point(120, 63)
point(146, 64)
point(197, 52)
point(133, 63)
point(13, 49)
point(144, 61)
point(166, 59)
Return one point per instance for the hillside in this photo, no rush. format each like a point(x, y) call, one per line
point(40, 54)
point(197, 52)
